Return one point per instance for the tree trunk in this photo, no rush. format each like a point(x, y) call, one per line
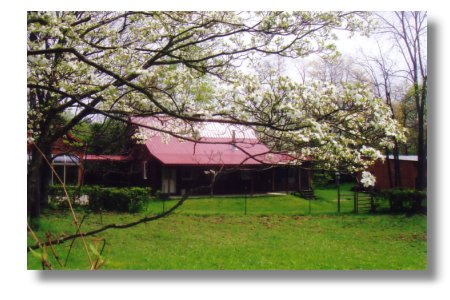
point(388, 164)
point(38, 178)
point(421, 183)
point(34, 185)
point(421, 96)
point(397, 176)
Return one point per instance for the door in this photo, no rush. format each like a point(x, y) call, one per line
point(169, 180)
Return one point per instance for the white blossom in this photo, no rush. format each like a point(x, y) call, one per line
point(367, 179)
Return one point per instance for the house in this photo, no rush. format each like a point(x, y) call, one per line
point(230, 153)
point(408, 172)
point(110, 170)
point(66, 159)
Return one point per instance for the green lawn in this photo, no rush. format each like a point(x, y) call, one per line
point(278, 233)
point(325, 203)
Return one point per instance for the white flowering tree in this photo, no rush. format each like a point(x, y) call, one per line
point(187, 65)
point(341, 128)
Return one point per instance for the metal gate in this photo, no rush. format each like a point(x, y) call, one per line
point(363, 202)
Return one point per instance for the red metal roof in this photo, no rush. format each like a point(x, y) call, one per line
point(214, 147)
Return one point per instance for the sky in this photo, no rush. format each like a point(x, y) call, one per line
point(358, 48)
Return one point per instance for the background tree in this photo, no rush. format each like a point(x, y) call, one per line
point(406, 112)
point(384, 74)
point(336, 69)
point(408, 31)
point(108, 137)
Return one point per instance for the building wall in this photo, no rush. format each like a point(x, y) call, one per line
point(408, 173)
point(146, 170)
point(69, 174)
point(249, 181)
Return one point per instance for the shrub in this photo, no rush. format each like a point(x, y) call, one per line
point(130, 199)
point(322, 179)
point(405, 200)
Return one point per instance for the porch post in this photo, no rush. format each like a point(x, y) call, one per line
point(299, 169)
point(309, 179)
point(273, 179)
point(252, 183)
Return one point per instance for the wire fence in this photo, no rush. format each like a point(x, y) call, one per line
point(328, 202)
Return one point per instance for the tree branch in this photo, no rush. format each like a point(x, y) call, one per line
point(121, 226)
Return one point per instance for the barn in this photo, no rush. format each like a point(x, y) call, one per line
point(408, 172)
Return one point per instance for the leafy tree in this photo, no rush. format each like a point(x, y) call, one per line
point(406, 111)
point(109, 137)
point(186, 65)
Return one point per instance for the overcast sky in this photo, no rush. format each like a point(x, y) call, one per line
point(356, 47)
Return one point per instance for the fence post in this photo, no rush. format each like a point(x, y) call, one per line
point(357, 201)
point(245, 201)
point(339, 191)
point(372, 204)
point(309, 205)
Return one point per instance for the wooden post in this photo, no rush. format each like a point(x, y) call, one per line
point(64, 176)
point(339, 199)
point(339, 191)
point(309, 180)
point(287, 180)
point(372, 203)
point(80, 173)
point(273, 179)
point(309, 205)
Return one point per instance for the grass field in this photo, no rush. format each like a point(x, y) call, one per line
point(326, 203)
point(277, 233)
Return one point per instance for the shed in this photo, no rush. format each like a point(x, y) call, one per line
point(408, 171)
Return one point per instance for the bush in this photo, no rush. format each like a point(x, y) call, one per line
point(131, 199)
point(405, 200)
point(322, 179)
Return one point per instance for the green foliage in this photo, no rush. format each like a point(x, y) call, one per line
point(323, 179)
point(405, 200)
point(406, 113)
point(108, 137)
point(132, 199)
